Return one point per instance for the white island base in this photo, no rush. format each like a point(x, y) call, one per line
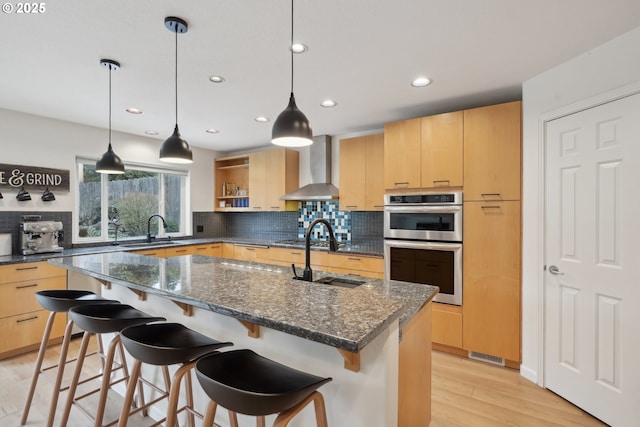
point(392, 387)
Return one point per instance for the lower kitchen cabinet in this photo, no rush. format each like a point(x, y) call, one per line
point(361, 265)
point(211, 249)
point(22, 319)
point(447, 325)
point(251, 253)
point(491, 277)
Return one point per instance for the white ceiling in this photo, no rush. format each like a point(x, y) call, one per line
point(362, 53)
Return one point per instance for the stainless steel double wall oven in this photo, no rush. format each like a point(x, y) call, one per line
point(423, 241)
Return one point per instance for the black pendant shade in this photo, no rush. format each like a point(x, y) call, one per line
point(109, 162)
point(175, 149)
point(291, 128)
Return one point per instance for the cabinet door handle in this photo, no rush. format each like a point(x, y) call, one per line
point(435, 181)
point(354, 259)
point(27, 286)
point(401, 183)
point(352, 206)
point(27, 319)
point(181, 250)
point(26, 268)
point(490, 207)
point(215, 247)
point(295, 253)
point(490, 194)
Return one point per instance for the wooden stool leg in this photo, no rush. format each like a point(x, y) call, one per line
point(106, 379)
point(61, 365)
point(260, 422)
point(174, 393)
point(233, 419)
point(76, 377)
point(284, 417)
point(128, 397)
point(210, 415)
point(191, 422)
point(36, 371)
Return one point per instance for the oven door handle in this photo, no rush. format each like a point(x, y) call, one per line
point(422, 209)
point(422, 245)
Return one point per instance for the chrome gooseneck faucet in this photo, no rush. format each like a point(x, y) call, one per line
point(164, 224)
point(307, 275)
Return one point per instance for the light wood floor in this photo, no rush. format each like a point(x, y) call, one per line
point(465, 393)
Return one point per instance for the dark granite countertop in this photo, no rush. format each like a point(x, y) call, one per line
point(371, 248)
point(345, 318)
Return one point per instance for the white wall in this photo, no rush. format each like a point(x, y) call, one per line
point(37, 141)
point(604, 69)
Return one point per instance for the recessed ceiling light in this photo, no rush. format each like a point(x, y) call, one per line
point(328, 103)
point(216, 79)
point(151, 132)
point(261, 119)
point(421, 82)
point(211, 130)
point(133, 110)
point(298, 47)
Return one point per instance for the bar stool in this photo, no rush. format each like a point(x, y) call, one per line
point(57, 301)
point(245, 382)
point(101, 319)
point(164, 344)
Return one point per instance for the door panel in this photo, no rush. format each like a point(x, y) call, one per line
point(592, 346)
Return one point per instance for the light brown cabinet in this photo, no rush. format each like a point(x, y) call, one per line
point(447, 325)
point(251, 253)
point(361, 180)
point(22, 319)
point(361, 265)
point(272, 174)
point(209, 249)
point(401, 154)
point(441, 150)
point(491, 277)
point(424, 152)
point(492, 152)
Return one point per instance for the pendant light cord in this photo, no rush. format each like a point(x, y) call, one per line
point(110, 66)
point(176, 75)
point(291, 47)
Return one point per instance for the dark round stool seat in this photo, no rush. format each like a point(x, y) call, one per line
point(167, 343)
point(105, 318)
point(245, 382)
point(61, 300)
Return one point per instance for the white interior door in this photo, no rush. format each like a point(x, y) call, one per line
point(592, 279)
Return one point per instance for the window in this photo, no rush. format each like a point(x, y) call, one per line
point(125, 203)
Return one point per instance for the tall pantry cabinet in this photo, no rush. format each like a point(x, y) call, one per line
point(492, 231)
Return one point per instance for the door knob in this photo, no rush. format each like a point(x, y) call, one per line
point(554, 270)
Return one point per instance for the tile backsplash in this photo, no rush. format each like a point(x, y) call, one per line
point(330, 210)
point(349, 226)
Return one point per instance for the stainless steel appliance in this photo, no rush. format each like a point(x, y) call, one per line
point(423, 241)
point(38, 237)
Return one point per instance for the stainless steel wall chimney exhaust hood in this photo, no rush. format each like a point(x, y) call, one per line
point(320, 187)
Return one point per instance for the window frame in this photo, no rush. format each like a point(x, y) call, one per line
point(185, 211)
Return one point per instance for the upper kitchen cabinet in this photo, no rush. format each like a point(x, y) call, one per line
point(361, 183)
point(272, 174)
point(441, 150)
point(492, 152)
point(401, 154)
point(232, 180)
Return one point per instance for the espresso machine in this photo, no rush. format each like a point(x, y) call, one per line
point(38, 237)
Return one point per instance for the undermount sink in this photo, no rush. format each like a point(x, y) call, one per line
point(338, 281)
point(153, 243)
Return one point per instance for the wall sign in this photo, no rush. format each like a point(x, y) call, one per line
point(33, 177)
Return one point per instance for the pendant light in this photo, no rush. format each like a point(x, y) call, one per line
point(110, 162)
point(175, 149)
point(291, 128)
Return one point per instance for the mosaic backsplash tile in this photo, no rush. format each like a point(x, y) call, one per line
point(329, 210)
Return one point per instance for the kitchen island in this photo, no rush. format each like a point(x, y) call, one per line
point(373, 340)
